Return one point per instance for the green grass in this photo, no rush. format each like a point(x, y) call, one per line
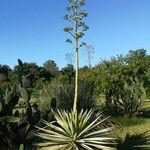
point(130, 125)
point(146, 105)
point(125, 125)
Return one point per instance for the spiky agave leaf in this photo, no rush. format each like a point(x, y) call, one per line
point(134, 141)
point(75, 131)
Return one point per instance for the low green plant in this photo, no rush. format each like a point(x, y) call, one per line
point(64, 94)
point(134, 141)
point(75, 131)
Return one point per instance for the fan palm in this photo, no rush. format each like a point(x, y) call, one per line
point(75, 131)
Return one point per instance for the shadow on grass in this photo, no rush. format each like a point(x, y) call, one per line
point(145, 113)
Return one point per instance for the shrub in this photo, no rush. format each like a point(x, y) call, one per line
point(64, 94)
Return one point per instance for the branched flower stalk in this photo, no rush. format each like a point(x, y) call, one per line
point(76, 29)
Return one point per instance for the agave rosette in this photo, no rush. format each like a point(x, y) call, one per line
point(75, 131)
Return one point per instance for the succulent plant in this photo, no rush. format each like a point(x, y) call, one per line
point(75, 131)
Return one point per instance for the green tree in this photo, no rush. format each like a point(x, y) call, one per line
point(5, 72)
point(51, 67)
point(121, 79)
point(30, 74)
point(68, 72)
point(137, 62)
point(76, 29)
point(5, 69)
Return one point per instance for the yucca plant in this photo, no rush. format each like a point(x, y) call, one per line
point(134, 141)
point(75, 131)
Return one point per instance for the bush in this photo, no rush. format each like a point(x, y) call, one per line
point(64, 94)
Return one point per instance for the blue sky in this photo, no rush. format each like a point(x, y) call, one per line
point(32, 30)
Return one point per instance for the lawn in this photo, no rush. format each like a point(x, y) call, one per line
point(125, 125)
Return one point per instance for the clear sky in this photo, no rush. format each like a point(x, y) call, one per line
point(32, 30)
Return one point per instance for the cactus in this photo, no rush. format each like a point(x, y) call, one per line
point(24, 90)
point(8, 101)
point(21, 147)
point(13, 130)
point(132, 97)
point(25, 93)
point(9, 119)
point(20, 71)
point(127, 99)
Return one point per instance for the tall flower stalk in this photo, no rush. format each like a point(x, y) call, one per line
point(76, 29)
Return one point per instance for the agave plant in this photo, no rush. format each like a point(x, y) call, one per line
point(75, 131)
point(134, 142)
